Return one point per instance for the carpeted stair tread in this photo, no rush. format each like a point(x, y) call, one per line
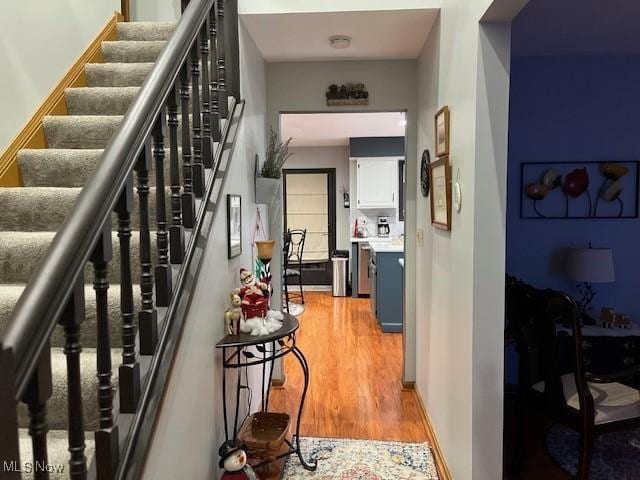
point(146, 31)
point(29, 209)
point(51, 167)
point(21, 252)
point(131, 51)
point(57, 449)
point(57, 404)
point(117, 74)
point(9, 295)
point(99, 100)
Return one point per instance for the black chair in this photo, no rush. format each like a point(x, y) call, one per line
point(591, 404)
point(293, 250)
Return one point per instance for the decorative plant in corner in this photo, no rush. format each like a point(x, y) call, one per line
point(268, 180)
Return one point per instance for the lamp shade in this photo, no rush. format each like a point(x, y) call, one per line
point(594, 265)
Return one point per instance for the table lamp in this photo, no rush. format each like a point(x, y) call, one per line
point(588, 266)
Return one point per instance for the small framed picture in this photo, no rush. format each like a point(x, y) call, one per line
point(442, 132)
point(234, 225)
point(440, 183)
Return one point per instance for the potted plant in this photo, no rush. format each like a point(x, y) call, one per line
point(268, 178)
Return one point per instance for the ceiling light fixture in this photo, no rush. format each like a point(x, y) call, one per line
point(340, 41)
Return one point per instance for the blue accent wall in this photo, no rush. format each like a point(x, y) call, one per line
point(376, 147)
point(574, 108)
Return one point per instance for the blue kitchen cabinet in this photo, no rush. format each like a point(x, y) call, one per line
point(386, 300)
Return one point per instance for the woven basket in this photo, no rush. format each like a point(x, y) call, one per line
point(263, 434)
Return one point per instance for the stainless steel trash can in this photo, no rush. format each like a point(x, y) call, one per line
point(340, 260)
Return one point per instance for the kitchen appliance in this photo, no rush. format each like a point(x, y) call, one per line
point(383, 227)
point(364, 281)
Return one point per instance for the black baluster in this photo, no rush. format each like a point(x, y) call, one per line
point(9, 443)
point(223, 103)
point(198, 168)
point(107, 451)
point(176, 230)
point(233, 49)
point(129, 371)
point(147, 317)
point(163, 269)
point(36, 396)
point(207, 143)
point(188, 199)
point(216, 133)
point(71, 319)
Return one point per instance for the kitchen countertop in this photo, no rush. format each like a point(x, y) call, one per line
point(370, 239)
point(386, 247)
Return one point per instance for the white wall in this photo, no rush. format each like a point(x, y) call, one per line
point(190, 425)
point(300, 87)
point(460, 316)
point(328, 157)
point(39, 41)
point(154, 10)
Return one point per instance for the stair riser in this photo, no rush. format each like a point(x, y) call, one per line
point(34, 211)
point(57, 404)
point(131, 52)
point(86, 132)
point(19, 258)
point(88, 328)
point(148, 31)
point(117, 75)
point(73, 168)
point(85, 101)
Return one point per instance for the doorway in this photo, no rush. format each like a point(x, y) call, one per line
point(310, 205)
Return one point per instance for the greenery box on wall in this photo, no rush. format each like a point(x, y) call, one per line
point(268, 175)
point(578, 190)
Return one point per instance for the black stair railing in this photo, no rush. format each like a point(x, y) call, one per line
point(175, 125)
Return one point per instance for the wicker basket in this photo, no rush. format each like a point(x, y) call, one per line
point(263, 434)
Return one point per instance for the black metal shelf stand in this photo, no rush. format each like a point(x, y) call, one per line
point(236, 355)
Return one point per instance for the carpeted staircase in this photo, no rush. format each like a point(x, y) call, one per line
point(53, 178)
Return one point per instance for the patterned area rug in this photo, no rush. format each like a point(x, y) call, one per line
point(343, 459)
point(615, 456)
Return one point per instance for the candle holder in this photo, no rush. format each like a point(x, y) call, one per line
point(265, 254)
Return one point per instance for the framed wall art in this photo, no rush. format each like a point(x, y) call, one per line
point(440, 185)
point(442, 132)
point(579, 190)
point(234, 225)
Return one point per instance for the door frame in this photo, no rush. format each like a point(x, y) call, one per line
point(331, 201)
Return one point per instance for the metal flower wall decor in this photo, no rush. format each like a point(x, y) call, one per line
point(587, 190)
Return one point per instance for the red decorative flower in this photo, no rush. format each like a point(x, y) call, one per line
point(576, 182)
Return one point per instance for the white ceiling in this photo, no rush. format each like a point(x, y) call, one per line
point(381, 34)
point(335, 129)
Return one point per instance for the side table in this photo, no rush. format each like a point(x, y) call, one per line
point(236, 355)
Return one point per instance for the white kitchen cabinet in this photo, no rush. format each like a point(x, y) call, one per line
point(377, 185)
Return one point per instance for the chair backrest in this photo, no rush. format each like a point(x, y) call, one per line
point(296, 247)
point(532, 316)
point(286, 247)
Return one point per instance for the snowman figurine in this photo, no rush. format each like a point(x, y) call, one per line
point(234, 461)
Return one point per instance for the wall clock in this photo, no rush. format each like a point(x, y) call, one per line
point(424, 173)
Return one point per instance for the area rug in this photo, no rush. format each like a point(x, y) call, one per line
point(615, 456)
point(343, 459)
point(296, 309)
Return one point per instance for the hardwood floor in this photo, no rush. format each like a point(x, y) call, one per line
point(355, 389)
